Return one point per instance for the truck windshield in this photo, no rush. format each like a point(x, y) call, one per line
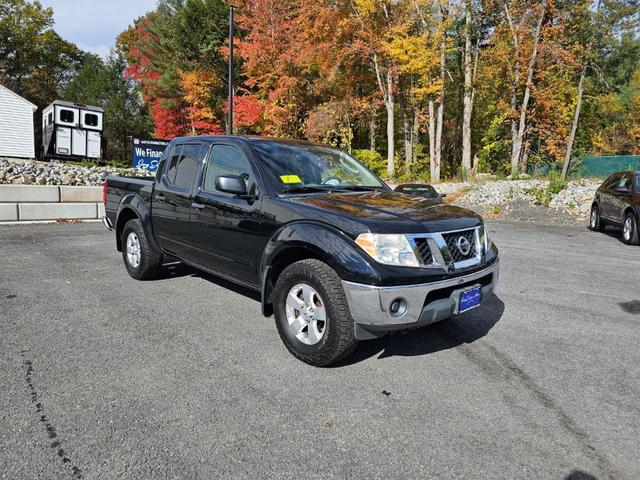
point(300, 168)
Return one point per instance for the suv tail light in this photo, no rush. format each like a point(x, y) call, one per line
point(105, 187)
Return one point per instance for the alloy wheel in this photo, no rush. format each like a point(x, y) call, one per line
point(133, 250)
point(306, 314)
point(627, 230)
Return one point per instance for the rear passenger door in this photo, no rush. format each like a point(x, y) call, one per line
point(621, 197)
point(172, 197)
point(606, 196)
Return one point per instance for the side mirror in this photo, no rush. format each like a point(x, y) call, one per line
point(443, 195)
point(231, 184)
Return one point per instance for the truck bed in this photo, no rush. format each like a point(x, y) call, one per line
point(119, 186)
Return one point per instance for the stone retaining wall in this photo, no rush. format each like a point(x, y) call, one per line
point(32, 203)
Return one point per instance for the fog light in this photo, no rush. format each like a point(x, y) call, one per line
point(398, 307)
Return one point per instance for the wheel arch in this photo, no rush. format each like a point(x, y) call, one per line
point(131, 207)
point(310, 240)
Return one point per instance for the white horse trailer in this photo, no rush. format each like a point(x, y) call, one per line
point(72, 131)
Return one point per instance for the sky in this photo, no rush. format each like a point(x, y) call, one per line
point(94, 24)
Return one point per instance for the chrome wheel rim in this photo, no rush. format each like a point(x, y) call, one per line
point(133, 250)
point(628, 228)
point(594, 218)
point(306, 314)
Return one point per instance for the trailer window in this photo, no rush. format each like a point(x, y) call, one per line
point(50, 118)
point(91, 119)
point(66, 116)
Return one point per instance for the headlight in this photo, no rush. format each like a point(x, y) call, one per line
point(484, 237)
point(390, 249)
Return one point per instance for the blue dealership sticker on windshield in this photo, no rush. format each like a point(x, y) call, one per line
point(470, 299)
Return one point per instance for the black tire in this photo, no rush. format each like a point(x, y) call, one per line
point(149, 265)
point(338, 339)
point(595, 221)
point(634, 235)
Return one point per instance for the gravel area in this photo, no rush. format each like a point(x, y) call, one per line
point(525, 200)
point(25, 172)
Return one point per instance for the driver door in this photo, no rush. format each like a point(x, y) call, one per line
point(225, 228)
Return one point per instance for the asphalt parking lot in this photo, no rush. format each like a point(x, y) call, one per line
point(104, 377)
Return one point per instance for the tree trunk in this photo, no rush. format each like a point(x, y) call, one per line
point(372, 132)
point(406, 135)
point(415, 136)
point(516, 79)
point(440, 118)
point(522, 126)
point(468, 94)
point(435, 169)
point(574, 127)
point(390, 127)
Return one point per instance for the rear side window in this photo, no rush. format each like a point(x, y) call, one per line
point(183, 165)
point(225, 160)
point(637, 183)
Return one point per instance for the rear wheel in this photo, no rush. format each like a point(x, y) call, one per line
point(312, 314)
point(142, 262)
point(630, 233)
point(595, 223)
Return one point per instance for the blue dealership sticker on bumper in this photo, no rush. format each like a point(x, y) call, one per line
point(470, 299)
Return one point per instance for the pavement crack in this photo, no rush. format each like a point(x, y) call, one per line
point(501, 361)
point(50, 429)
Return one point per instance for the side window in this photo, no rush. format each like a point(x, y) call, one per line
point(173, 162)
point(225, 160)
point(91, 119)
point(67, 116)
point(612, 181)
point(189, 165)
point(183, 165)
point(625, 182)
point(637, 183)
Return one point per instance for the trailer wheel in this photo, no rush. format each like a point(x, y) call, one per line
point(312, 314)
point(141, 261)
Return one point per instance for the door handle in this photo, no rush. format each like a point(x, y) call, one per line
point(199, 206)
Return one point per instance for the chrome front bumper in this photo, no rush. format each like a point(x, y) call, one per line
point(370, 305)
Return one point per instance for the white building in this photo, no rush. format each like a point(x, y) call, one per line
point(16, 125)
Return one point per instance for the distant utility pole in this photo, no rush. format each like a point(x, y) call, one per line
point(230, 122)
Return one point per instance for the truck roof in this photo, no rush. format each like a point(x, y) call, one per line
point(250, 138)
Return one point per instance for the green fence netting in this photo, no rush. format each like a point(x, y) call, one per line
point(605, 166)
point(593, 166)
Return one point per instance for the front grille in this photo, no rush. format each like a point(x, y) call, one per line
point(457, 245)
point(426, 256)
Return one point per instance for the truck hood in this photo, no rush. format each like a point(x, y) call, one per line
point(389, 212)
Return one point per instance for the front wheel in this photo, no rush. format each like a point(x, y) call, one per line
point(595, 223)
point(630, 233)
point(142, 262)
point(312, 314)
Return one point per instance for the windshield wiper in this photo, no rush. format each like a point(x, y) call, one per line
point(307, 189)
point(358, 188)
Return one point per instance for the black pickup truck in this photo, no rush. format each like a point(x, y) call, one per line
point(337, 256)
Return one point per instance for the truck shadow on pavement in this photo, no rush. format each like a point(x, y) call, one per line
point(467, 328)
